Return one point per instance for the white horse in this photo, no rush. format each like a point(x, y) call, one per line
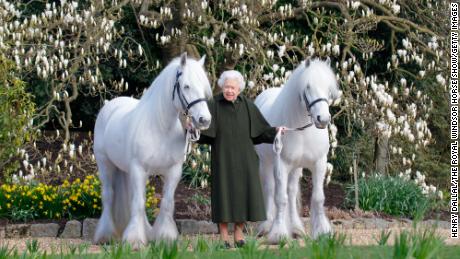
point(137, 138)
point(304, 100)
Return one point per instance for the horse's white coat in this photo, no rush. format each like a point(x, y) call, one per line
point(301, 149)
point(137, 138)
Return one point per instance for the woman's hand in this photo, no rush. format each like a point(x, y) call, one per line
point(282, 129)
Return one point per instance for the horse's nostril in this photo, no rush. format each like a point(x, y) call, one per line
point(203, 121)
point(323, 119)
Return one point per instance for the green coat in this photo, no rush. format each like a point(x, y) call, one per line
point(236, 193)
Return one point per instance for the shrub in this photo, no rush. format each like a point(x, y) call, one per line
point(391, 195)
point(197, 167)
point(79, 199)
point(16, 109)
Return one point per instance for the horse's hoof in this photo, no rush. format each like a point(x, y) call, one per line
point(298, 232)
point(102, 241)
point(325, 231)
point(264, 228)
point(135, 240)
point(137, 245)
point(274, 237)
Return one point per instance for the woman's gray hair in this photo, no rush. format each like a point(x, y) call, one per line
point(231, 74)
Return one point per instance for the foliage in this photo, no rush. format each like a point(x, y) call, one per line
point(389, 56)
point(326, 246)
point(197, 168)
point(17, 110)
point(417, 244)
point(391, 195)
point(79, 199)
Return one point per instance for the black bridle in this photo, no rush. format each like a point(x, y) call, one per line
point(185, 104)
point(309, 105)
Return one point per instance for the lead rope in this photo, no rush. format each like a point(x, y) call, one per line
point(191, 135)
point(278, 143)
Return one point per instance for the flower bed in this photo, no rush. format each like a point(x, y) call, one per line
point(79, 199)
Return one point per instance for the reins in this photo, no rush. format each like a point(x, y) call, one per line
point(190, 135)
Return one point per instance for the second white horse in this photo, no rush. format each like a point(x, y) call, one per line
point(304, 100)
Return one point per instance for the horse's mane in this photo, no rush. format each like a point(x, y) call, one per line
point(317, 74)
point(314, 75)
point(158, 96)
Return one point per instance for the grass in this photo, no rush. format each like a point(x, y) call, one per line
point(415, 243)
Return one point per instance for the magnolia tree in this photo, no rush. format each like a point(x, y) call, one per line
point(64, 43)
point(389, 57)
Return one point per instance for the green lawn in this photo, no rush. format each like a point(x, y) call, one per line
point(408, 244)
point(343, 252)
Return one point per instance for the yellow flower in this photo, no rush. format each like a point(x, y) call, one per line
point(8, 205)
point(94, 206)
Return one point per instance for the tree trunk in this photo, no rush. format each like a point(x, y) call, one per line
point(381, 154)
point(178, 43)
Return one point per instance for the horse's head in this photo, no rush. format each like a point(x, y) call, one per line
point(191, 90)
point(320, 87)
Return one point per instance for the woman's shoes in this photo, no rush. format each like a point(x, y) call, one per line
point(240, 243)
point(227, 245)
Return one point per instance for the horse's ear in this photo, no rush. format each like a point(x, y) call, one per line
point(183, 59)
point(202, 59)
point(307, 62)
point(328, 61)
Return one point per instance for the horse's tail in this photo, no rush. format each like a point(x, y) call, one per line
point(121, 197)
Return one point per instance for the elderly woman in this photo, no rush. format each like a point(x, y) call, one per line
point(237, 125)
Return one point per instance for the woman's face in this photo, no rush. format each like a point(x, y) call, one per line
point(231, 89)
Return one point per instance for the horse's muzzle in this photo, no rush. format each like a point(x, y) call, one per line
point(202, 123)
point(321, 122)
point(321, 125)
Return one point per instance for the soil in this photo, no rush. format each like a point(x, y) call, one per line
point(195, 204)
point(187, 206)
point(190, 203)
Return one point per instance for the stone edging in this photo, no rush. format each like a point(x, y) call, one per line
point(85, 230)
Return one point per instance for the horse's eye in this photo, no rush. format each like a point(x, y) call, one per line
point(187, 87)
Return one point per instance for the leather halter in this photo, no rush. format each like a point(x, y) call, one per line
point(185, 104)
point(309, 105)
